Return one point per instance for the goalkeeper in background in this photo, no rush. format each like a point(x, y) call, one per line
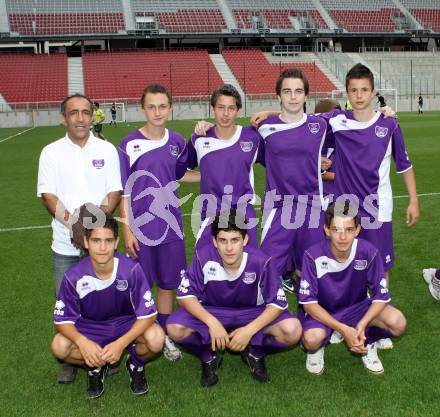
point(98, 118)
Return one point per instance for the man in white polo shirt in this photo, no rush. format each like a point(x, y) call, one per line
point(74, 170)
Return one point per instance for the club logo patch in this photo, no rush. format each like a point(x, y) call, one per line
point(121, 284)
point(304, 287)
point(148, 297)
point(360, 264)
point(384, 284)
point(184, 284)
point(314, 127)
point(281, 295)
point(246, 146)
point(174, 150)
point(249, 277)
point(98, 163)
point(380, 131)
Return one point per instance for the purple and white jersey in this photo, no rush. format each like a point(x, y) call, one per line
point(256, 283)
point(83, 296)
point(225, 163)
point(363, 152)
point(337, 285)
point(149, 169)
point(293, 156)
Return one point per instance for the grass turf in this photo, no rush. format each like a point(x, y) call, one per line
point(28, 385)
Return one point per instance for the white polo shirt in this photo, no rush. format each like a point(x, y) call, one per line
point(76, 176)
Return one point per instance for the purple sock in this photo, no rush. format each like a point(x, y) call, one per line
point(135, 359)
point(193, 343)
point(162, 320)
point(257, 351)
point(437, 273)
point(375, 333)
point(271, 344)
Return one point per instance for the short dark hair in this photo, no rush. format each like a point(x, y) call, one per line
point(357, 72)
point(326, 105)
point(96, 104)
point(341, 209)
point(292, 73)
point(226, 90)
point(110, 223)
point(76, 95)
point(229, 221)
point(156, 89)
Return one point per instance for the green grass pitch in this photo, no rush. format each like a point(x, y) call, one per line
point(409, 386)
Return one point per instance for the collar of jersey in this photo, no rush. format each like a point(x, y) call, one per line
point(102, 284)
point(333, 264)
point(363, 125)
point(159, 142)
point(89, 142)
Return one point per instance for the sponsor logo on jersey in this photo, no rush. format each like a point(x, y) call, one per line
point(136, 148)
point(324, 265)
point(388, 259)
point(246, 146)
point(206, 144)
point(184, 284)
point(59, 306)
point(121, 284)
point(281, 295)
point(98, 163)
point(174, 150)
point(249, 277)
point(380, 131)
point(384, 284)
point(360, 264)
point(304, 287)
point(272, 129)
point(314, 127)
point(212, 270)
point(148, 297)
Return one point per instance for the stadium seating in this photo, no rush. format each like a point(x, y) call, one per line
point(182, 15)
point(65, 23)
point(257, 76)
point(125, 74)
point(201, 20)
point(355, 16)
point(276, 18)
point(429, 18)
point(276, 14)
point(32, 78)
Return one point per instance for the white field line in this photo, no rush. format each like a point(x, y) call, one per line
point(18, 229)
point(17, 134)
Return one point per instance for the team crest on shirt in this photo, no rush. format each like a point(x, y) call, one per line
point(121, 284)
point(246, 146)
point(360, 264)
point(148, 297)
point(314, 127)
point(184, 284)
point(249, 277)
point(384, 284)
point(98, 163)
point(304, 287)
point(281, 295)
point(380, 131)
point(174, 150)
point(59, 306)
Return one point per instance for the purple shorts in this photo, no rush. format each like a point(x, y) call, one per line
point(105, 332)
point(204, 236)
point(349, 316)
point(285, 245)
point(163, 263)
point(382, 239)
point(231, 318)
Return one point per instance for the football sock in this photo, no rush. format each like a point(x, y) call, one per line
point(193, 343)
point(162, 320)
point(135, 359)
point(271, 344)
